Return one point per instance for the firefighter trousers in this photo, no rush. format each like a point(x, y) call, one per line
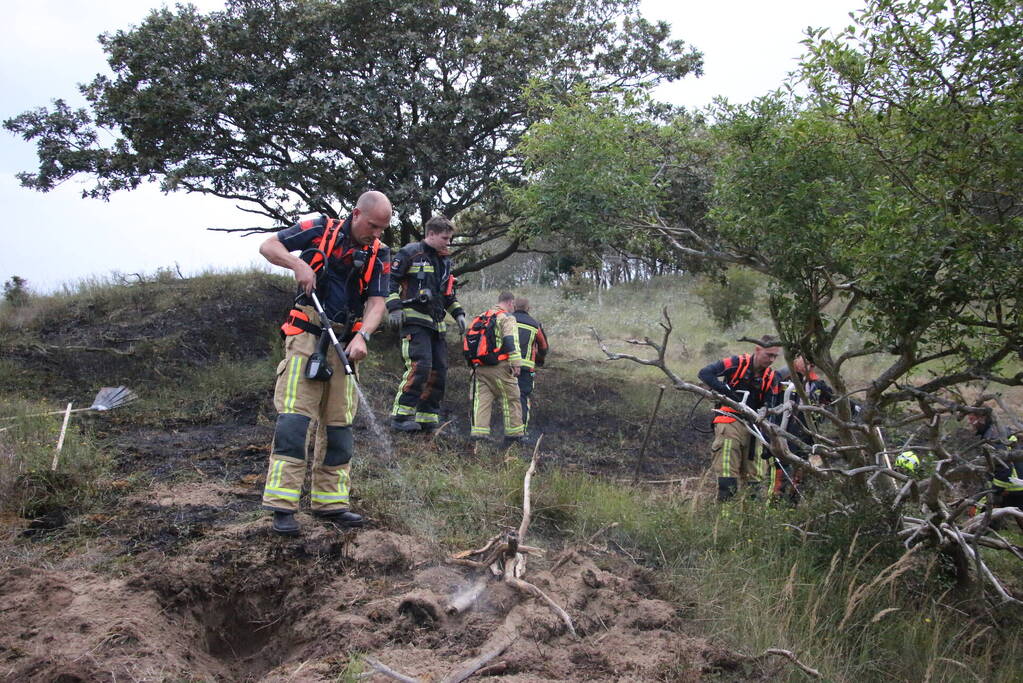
point(526, 378)
point(299, 402)
point(421, 390)
point(736, 461)
point(490, 384)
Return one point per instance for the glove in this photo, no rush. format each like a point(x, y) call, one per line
point(461, 324)
point(395, 319)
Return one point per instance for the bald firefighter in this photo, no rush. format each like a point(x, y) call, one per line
point(749, 379)
point(351, 283)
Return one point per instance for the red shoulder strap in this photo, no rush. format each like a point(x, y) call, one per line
point(327, 242)
point(368, 275)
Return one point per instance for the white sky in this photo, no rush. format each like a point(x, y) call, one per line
point(49, 46)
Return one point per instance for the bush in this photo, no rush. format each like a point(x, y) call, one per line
point(730, 300)
point(16, 291)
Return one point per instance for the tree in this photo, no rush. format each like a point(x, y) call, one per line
point(885, 214)
point(289, 105)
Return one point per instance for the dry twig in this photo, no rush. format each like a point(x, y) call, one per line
point(792, 658)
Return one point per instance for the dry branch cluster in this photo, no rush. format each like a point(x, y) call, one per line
point(932, 505)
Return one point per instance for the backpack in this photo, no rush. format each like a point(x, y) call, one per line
point(480, 344)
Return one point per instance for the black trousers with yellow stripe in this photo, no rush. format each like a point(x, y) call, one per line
point(421, 391)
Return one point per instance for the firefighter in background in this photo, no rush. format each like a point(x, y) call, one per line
point(352, 286)
point(495, 371)
point(819, 393)
point(422, 294)
point(734, 454)
point(1004, 453)
point(533, 346)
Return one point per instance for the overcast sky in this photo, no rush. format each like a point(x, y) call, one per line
point(49, 46)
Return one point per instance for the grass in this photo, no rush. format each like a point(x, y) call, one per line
point(30, 489)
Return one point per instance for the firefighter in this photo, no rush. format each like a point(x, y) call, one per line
point(495, 372)
point(533, 346)
point(352, 286)
point(800, 423)
point(422, 295)
point(746, 378)
point(1003, 445)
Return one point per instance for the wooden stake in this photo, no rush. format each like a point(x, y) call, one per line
point(646, 439)
point(60, 441)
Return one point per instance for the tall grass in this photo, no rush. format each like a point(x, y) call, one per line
point(30, 490)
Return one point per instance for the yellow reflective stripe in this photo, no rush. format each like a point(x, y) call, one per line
point(397, 408)
point(421, 268)
point(506, 408)
point(291, 388)
point(276, 479)
point(286, 494)
point(476, 428)
point(413, 313)
point(349, 399)
point(726, 458)
point(321, 497)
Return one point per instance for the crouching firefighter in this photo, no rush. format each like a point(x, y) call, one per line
point(422, 295)
point(745, 379)
point(342, 272)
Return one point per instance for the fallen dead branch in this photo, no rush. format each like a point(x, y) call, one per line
point(379, 667)
point(792, 658)
point(505, 555)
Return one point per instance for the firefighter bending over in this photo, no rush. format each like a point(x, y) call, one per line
point(422, 295)
point(351, 285)
point(745, 379)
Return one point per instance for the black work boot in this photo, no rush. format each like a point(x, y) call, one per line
point(404, 424)
point(345, 519)
point(285, 523)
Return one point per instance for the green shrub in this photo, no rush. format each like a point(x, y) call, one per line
point(732, 299)
point(16, 291)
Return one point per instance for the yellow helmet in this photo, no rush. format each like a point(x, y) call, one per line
point(907, 460)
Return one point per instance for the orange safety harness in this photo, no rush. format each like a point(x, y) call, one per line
point(297, 321)
point(743, 366)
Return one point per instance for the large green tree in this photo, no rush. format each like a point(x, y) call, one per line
point(885, 211)
point(291, 106)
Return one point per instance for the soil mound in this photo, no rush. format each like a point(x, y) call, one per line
point(244, 605)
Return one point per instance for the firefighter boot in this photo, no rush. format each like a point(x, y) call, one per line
point(404, 424)
point(345, 519)
point(285, 523)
